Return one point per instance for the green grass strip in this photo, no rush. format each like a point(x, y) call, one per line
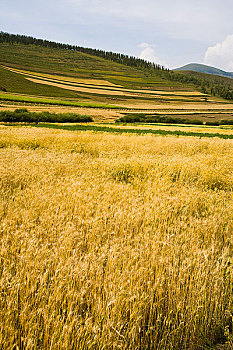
point(27, 99)
point(95, 128)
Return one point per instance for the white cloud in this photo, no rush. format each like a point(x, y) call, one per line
point(181, 29)
point(145, 45)
point(221, 55)
point(182, 19)
point(148, 53)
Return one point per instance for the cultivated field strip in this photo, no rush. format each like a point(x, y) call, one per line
point(69, 83)
point(138, 130)
point(203, 129)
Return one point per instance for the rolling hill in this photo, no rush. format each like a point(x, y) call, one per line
point(44, 74)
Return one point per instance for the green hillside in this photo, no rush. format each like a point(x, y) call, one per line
point(35, 72)
point(81, 65)
point(13, 82)
point(65, 64)
point(45, 56)
point(208, 77)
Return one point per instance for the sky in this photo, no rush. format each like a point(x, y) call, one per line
point(169, 32)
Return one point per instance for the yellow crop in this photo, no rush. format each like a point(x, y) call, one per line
point(114, 241)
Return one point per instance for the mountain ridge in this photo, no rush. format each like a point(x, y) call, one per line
point(202, 68)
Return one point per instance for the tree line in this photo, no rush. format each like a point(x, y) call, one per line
point(207, 86)
point(112, 56)
point(22, 115)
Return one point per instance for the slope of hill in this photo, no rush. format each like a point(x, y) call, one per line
point(81, 65)
point(36, 74)
point(201, 68)
point(18, 62)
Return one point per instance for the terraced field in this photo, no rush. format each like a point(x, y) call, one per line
point(45, 78)
point(102, 86)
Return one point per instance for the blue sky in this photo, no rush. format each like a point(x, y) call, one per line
point(168, 32)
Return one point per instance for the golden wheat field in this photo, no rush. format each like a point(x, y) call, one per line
point(114, 241)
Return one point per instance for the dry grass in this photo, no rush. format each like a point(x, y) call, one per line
point(105, 91)
point(179, 106)
point(79, 88)
point(96, 82)
point(114, 242)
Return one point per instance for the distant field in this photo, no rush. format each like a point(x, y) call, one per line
point(101, 84)
point(94, 87)
point(115, 241)
point(201, 130)
point(105, 112)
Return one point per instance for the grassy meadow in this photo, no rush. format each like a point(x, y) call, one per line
point(115, 241)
